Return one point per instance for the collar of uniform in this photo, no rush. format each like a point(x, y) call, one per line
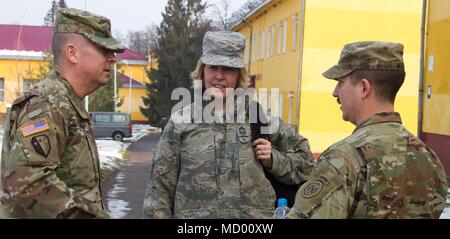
point(76, 101)
point(382, 117)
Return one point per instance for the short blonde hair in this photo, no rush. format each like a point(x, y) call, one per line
point(197, 74)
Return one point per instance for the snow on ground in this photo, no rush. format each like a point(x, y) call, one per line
point(112, 152)
point(117, 208)
point(446, 213)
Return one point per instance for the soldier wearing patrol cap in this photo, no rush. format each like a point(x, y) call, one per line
point(381, 170)
point(214, 170)
point(50, 165)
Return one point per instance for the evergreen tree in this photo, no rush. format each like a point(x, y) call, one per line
point(50, 17)
point(62, 4)
point(179, 47)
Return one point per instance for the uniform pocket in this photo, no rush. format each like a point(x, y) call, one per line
point(79, 159)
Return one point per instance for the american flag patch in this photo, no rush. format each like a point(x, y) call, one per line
point(36, 126)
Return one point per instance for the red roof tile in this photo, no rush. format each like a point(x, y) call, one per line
point(39, 38)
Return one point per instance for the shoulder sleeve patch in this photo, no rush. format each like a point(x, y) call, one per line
point(34, 127)
point(322, 183)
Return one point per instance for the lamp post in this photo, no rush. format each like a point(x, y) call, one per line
point(115, 87)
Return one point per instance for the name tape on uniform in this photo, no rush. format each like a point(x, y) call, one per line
point(36, 126)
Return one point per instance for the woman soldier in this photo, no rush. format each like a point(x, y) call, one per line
point(213, 170)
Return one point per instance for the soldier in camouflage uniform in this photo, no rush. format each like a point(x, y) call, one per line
point(381, 170)
point(50, 165)
point(211, 170)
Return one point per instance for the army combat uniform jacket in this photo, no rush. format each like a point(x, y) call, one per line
point(209, 170)
point(380, 171)
point(50, 164)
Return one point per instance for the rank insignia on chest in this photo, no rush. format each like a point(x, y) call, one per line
point(34, 127)
point(244, 137)
point(242, 131)
point(41, 145)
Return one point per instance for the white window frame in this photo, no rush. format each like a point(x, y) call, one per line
point(294, 40)
point(272, 47)
point(280, 37)
point(284, 35)
point(258, 49)
point(262, 44)
point(254, 48)
point(247, 52)
point(269, 41)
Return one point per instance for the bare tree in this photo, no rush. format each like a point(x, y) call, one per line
point(143, 42)
point(247, 7)
point(222, 17)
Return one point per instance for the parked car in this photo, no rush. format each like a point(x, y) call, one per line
point(111, 124)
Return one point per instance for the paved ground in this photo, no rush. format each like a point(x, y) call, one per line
point(125, 192)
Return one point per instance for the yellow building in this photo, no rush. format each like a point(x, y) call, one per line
point(22, 51)
point(133, 68)
point(291, 42)
point(436, 85)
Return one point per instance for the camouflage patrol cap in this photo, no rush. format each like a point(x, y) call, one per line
point(223, 48)
point(367, 55)
point(95, 28)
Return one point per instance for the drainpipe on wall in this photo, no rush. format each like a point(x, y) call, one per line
point(422, 69)
point(300, 62)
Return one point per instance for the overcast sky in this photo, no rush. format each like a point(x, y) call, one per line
point(125, 15)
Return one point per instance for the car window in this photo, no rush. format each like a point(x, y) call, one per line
point(119, 119)
point(102, 118)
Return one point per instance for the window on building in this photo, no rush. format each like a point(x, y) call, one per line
point(258, 49)
point(284, 35)
point(254, 47)
point(272, 46)
point(247, 51)
point(294, 40)
point(2, 89)
point(269, 41)
point(280, 37)
point(263, 44)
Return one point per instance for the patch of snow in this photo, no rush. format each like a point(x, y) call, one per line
point(446, 213)
point(117, 208)
point(141, 130)
point(111, 153)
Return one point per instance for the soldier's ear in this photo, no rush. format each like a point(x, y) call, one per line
point(366, 88)
point(72, 53)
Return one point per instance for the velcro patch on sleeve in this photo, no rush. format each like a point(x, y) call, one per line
point(34, 127)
